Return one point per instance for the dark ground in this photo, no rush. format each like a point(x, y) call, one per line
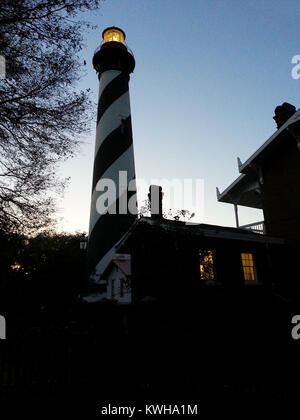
point(234, 349)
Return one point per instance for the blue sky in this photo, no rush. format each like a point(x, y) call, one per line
point(207, 79)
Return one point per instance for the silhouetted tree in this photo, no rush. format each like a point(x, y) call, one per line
point(41, 113)
point(46, 269)
point(178, 215)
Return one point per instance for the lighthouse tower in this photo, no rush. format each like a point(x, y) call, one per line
point(113, 204)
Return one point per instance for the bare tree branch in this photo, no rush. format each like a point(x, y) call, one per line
point(42, 116)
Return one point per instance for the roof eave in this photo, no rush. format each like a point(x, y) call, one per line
point(294, 118)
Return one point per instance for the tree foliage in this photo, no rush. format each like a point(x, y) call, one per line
point(45, 269)
point(41, 113)
point(177, 215)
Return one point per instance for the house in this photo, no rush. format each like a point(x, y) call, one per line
point(270, 180)
point(118, 278)
point(169, 261)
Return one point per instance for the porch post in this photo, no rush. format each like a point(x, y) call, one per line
point(236, 215)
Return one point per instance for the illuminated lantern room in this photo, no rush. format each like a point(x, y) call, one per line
point(113, 53)
point(113, 34)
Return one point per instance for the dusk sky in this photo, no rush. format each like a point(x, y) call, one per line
point(207, 79)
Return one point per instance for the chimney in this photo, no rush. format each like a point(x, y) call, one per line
point(283, 113)
point(155, 196)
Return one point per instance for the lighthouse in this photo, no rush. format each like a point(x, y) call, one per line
point(113, 202)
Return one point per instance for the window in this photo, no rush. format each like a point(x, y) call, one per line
point(113, 34)
point(248, 266)
point(207, 268)
point(112, 288)
point(121, 287)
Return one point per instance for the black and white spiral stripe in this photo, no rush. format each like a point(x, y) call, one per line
point(113, 153)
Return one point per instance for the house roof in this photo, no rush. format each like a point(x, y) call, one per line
point(205, 230)
point(123, 264)
point(244, 190)
point(277, 136)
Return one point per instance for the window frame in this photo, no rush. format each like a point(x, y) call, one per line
point(249, 282)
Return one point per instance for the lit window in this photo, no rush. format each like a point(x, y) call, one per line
point(113, 35)
point(207, 269)
point(248, 266)
point(16, 266)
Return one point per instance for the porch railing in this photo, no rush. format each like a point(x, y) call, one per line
point(257, 227)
